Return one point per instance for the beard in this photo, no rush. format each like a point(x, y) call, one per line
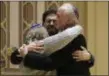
point(52, 30)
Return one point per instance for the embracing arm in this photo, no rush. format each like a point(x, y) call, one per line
point(41, 62)
point(60, 40)
point(84, 55)
point(56, 42)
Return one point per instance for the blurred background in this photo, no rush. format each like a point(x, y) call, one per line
point(16, 17)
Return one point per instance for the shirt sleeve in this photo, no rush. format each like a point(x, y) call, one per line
point(60, 40)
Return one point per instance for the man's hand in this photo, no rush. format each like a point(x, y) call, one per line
point(81, 55)
point(35, 46)
point(23, 50)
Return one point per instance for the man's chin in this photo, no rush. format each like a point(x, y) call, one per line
point(53, 31)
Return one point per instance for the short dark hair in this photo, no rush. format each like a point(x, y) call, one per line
point(48, 12)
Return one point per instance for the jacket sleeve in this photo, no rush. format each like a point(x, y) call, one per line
point(41, 62)
point(91, 60)
point(15, 58)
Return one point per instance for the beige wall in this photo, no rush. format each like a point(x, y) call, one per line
point(14, 25)
point(97, 35)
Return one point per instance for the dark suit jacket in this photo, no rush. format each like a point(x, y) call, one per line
point(61, 60)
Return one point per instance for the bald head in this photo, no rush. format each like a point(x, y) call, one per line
point(69, 9)
point(67, 16)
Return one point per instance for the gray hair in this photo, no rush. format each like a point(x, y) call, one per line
point(36, 33)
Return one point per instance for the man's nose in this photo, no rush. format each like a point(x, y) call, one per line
point(52, 23)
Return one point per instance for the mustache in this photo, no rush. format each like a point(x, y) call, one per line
point(51, 26)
